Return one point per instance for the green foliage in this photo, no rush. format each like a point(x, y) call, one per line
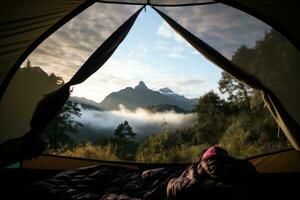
point(211, 119)
point(124, 133)
point(168, 147)
point(238, 93)
point(242, 139)
point(123, 141)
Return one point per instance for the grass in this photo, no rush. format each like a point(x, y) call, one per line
point(88, 150)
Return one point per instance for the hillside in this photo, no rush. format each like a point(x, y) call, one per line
point(29, 85)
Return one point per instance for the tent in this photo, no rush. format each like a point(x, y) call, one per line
point(26, 24)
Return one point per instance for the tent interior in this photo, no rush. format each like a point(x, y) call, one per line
point(148, 84)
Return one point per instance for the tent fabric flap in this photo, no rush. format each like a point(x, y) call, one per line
point(17, 149)
point(287, 123)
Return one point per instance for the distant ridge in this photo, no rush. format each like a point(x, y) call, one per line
point(142, 96)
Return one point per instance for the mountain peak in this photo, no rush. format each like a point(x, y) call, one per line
point(141, 86)
point(165, 90)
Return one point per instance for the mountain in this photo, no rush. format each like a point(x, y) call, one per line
point(170, 93)
point(142, 96)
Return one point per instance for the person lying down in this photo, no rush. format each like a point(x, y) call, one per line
point(215, 175)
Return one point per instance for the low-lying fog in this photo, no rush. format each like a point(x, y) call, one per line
point(103, 123)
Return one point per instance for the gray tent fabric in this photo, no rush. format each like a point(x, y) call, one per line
point(18, 149)
point(285, 121)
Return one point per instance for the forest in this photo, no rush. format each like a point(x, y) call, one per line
point(241, 124)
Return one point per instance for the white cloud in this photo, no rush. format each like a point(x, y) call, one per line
point(171, 43)
point(166, 31)
point(170, 50)
point(139, 51)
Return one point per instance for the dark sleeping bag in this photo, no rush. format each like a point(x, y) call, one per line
point(104, 182)
point(216, 175)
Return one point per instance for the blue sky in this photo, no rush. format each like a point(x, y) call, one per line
point(154, 53)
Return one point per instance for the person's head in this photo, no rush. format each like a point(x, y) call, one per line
point(214, 151)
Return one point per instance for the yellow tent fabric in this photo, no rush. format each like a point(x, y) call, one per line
point(285, 161)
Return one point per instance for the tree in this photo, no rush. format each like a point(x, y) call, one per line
point(211, 118)
point(124, 133)
point(56, 133)
point(123, 141)
point(238, 92)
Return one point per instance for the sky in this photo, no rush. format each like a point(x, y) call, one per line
point(152, 52)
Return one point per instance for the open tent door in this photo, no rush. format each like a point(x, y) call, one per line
point(153, 64)
point(157, 77)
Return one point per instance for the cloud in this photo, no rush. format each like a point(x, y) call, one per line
point(221, 26)
point(139, 51)
point(192, 86)
point(166, 31)
point(68, 48)
point(170, 42)
point(142, 121)
point(171, 50)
